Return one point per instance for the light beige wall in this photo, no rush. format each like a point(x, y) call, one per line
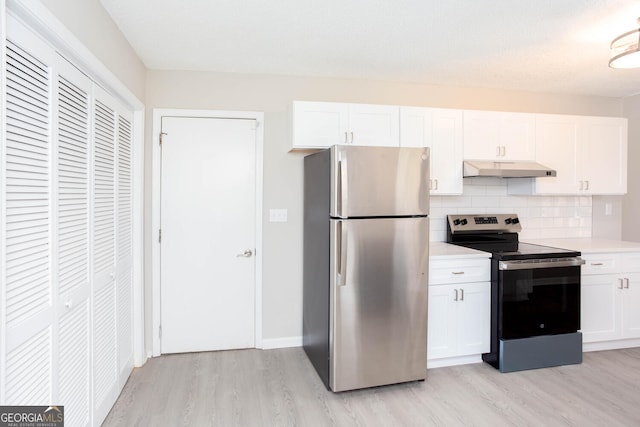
point(631, 201)
point(91, 24)
point(282, 276)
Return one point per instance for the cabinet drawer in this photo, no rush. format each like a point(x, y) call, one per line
point(600, 264)
point(630, 263)
point(459, 271)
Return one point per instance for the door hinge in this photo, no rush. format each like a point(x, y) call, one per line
point(162, 133)
point(160, 236)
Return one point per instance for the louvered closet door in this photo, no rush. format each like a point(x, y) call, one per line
point(66, 236)
point(105, 371)
point(124, 245)
point(28, 315)
point(72, 244)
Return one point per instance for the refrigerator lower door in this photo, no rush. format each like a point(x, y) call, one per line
point(378, 299)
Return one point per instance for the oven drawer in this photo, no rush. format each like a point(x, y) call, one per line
point(463, 270)
point(600, 263)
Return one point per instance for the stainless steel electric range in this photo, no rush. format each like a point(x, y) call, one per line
point(535, 294)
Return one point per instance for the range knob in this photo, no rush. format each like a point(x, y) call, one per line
point(507, 221)
point(456, 222)
point(515, 221)
point(463, 222)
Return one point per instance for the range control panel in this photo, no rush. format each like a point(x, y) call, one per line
point(498, 223)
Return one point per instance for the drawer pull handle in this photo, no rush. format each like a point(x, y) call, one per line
point(620, 282)
point(597, 263)
point(457, 272)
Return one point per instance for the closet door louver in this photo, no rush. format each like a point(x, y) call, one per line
point(105, 378)
point(124, 247)
point(27, 224)
point(72, 184)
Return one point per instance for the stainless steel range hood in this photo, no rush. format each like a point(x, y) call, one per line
point(504, 169)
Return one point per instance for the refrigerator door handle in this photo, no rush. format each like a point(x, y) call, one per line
point(342, 253)
point(343, 186)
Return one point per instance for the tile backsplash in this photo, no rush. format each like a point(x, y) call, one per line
point(541, 216)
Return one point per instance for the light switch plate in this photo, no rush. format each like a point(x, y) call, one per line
point(278, 215)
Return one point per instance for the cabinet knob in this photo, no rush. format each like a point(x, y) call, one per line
point(626, 283)
point(620, 282)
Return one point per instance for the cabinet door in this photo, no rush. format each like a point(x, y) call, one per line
point(517, 136)
point(557, 147)
point(440, 130)
point(474, 312)
point(630, 303)
point(319, 124)
point(602, 155)
point(600, 307)
point(481, 135)
point(441, 337)
point(377, 125)
point(446, 152)
point(491, 135)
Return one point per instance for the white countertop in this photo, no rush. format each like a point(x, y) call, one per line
point(444, 250)
point(589, 245)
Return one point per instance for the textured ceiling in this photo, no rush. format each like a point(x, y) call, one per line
point(556, 46)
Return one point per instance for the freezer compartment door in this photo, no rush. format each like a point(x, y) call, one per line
point(379, 181)
point(379, 289)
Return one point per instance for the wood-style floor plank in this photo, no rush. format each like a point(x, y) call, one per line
point(281, 388)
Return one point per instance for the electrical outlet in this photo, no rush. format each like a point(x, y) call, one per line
point(608, 209)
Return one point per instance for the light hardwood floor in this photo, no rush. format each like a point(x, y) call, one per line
point(281, 388)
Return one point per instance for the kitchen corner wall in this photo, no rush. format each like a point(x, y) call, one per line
point(631, 201)
point(273, 95)
point(541, 216)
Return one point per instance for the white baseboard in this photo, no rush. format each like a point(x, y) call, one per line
point(610, 345)
point(454, 361)
point(271, 343)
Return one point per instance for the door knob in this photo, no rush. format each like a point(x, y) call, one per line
point(245, 254)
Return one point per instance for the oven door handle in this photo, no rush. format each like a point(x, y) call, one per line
point(530, 264)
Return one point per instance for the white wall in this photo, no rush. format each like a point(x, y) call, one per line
point(91, 24)
point(282, 275)
point(631, 201)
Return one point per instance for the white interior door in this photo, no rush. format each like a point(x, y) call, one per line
point(208, 234)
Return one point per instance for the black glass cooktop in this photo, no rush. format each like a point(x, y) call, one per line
point(517, 250)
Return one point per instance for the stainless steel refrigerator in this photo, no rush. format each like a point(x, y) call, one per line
point(366, 255)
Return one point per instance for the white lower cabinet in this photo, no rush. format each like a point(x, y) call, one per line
point(459, 311)
point(610, 301)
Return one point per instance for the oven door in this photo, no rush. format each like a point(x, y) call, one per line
point(538, 297)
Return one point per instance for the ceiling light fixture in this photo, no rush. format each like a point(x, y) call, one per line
point(625, 50)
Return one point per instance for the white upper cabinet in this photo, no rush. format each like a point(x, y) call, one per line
point(323, 124)
point(441, 131)
point(602, 155)
point(589, 155)
point(500, 136)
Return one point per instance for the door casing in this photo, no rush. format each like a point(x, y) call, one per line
point(158, 113)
